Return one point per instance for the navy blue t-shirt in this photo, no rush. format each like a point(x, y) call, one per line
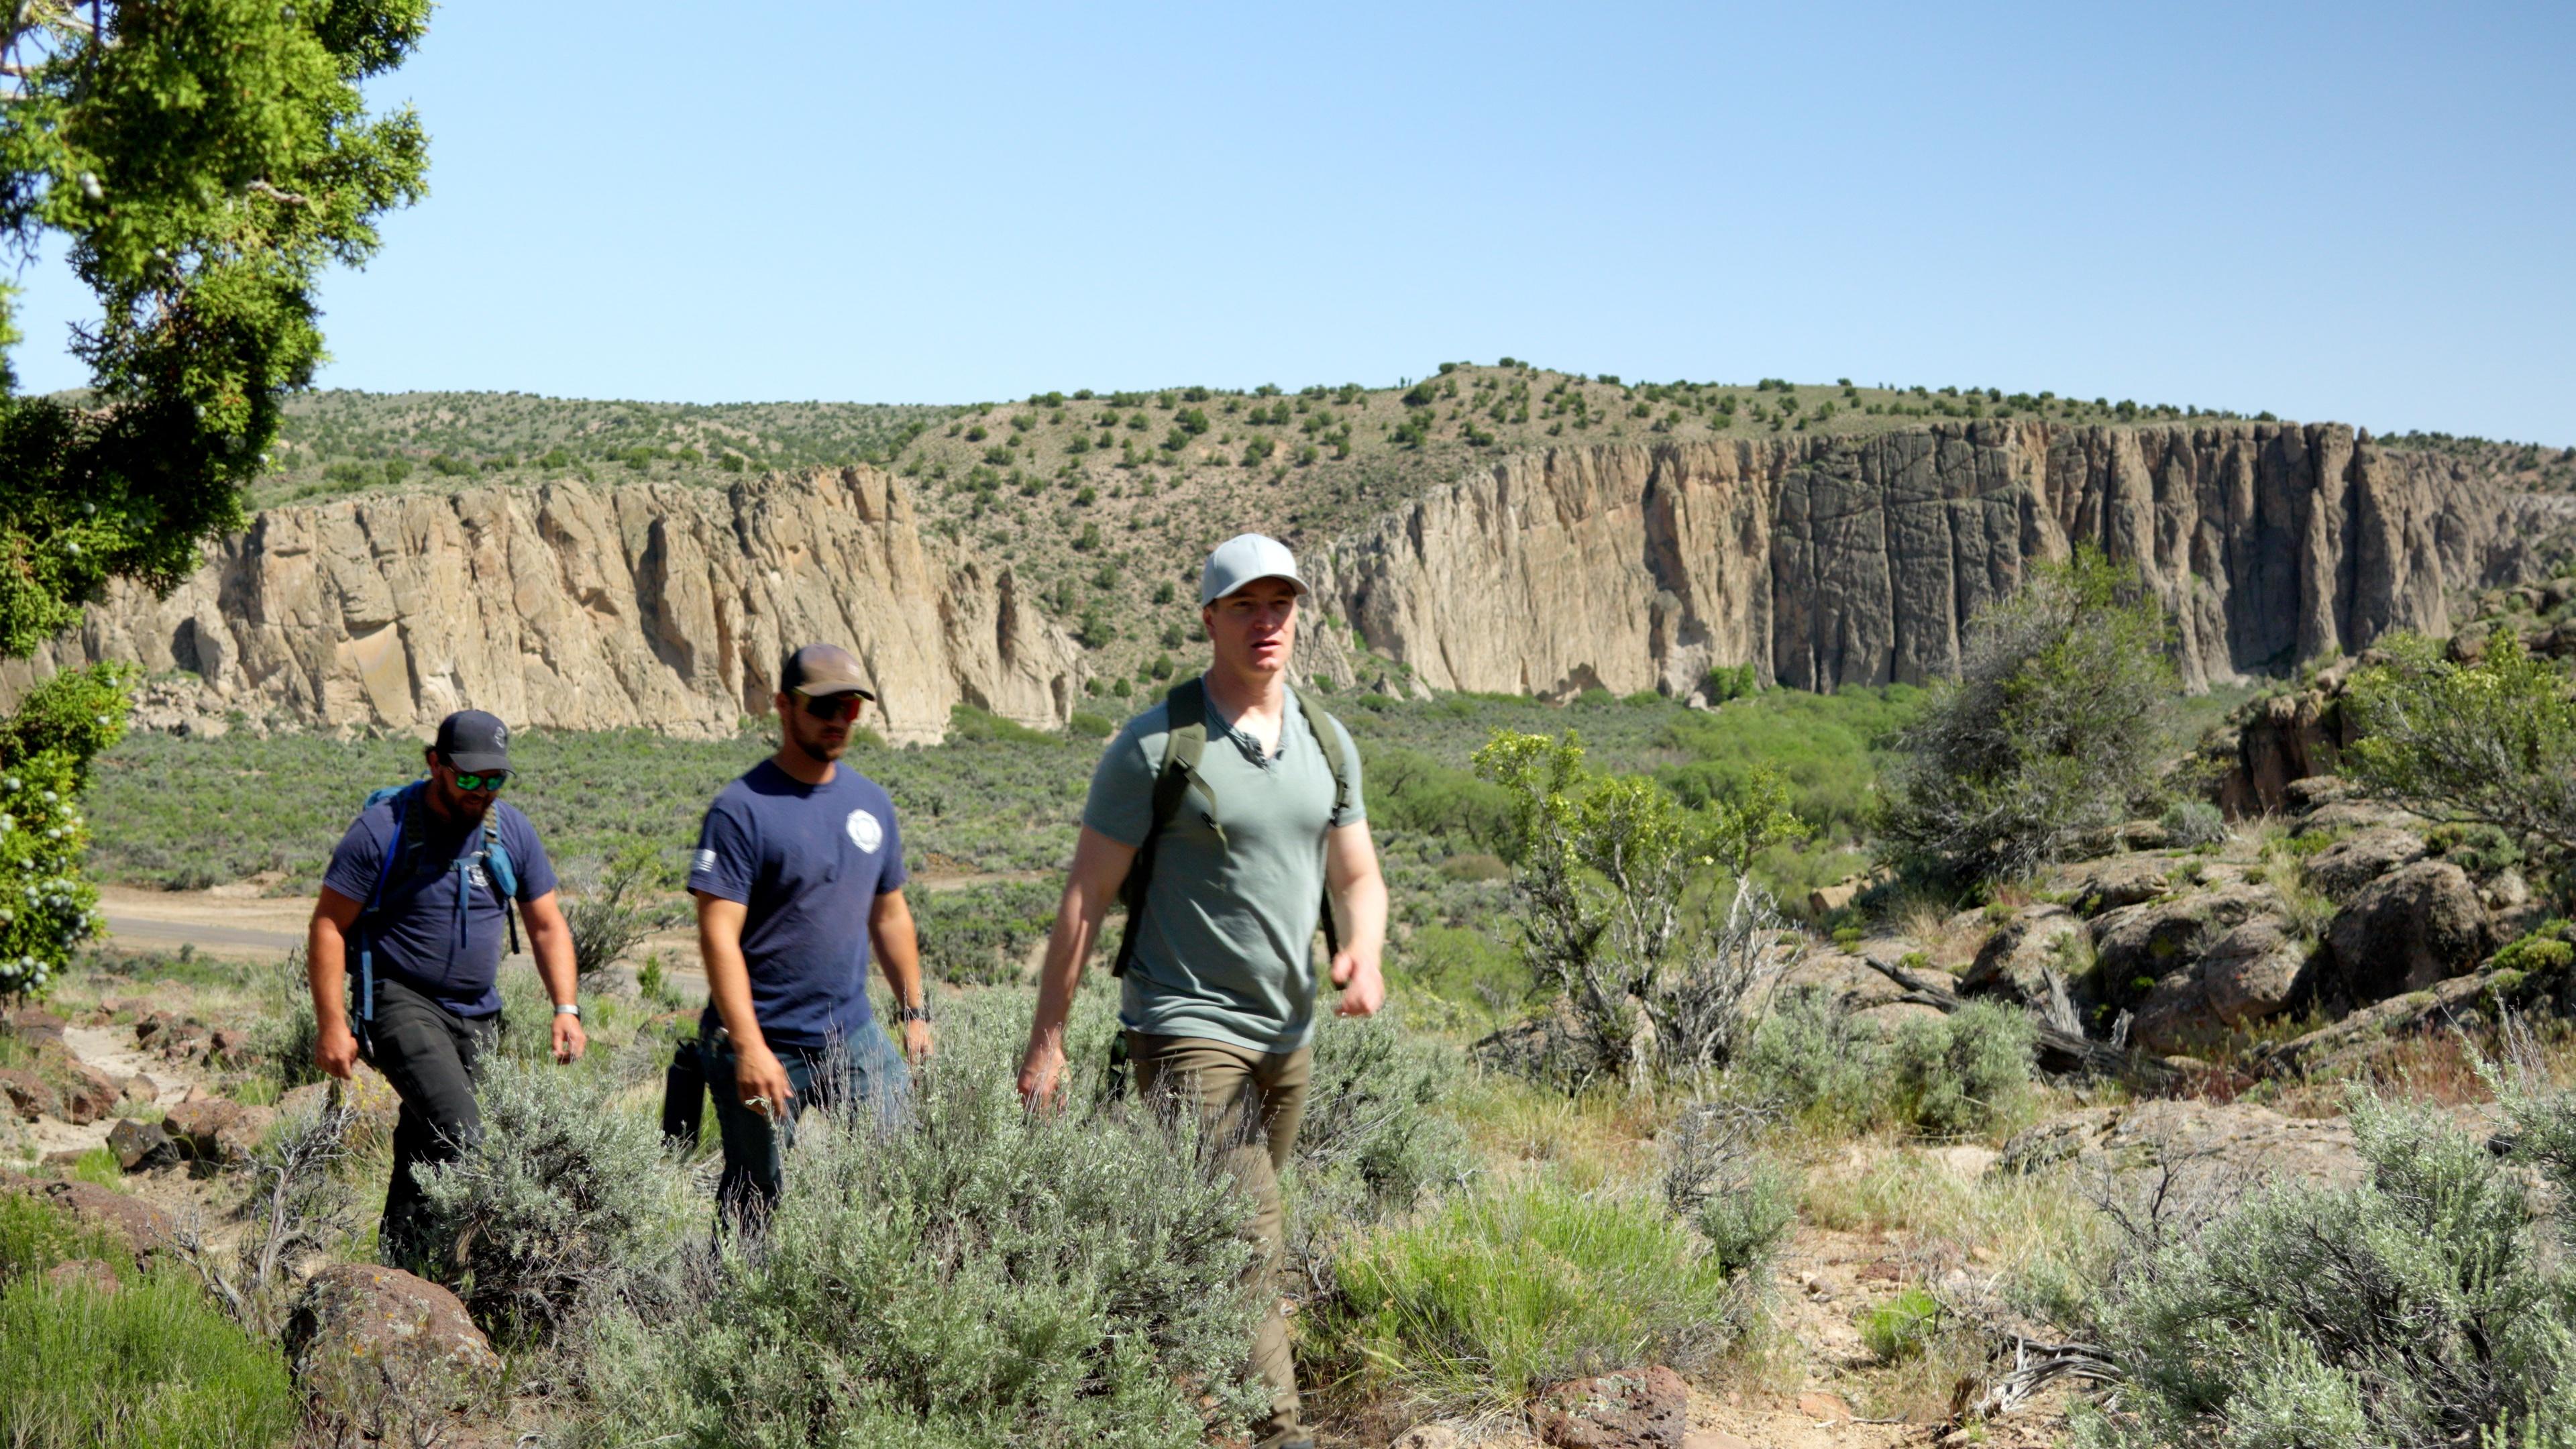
point(808, 863)
point(418, 934)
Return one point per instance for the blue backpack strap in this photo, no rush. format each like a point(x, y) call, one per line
point(501, 873)
point(402, 797)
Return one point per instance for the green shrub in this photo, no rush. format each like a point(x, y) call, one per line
point(2491, 742)
point(2192, 823)
point(2051, 732)
point(35, 1235)
point(2417, 1307)
point(968, 724)
point(151, 1366)
point(1085, 725)
point(1372, 1142)
point(1965, 1074)
point(981, 1275)
point(1900, 1327)
point(1499, 1293)
point(563, 1203)
point(1718, 1178)
point(979, 935)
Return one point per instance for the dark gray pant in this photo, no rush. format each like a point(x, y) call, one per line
point(431, 1055)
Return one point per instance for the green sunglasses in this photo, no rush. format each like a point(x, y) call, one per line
point(488, 780)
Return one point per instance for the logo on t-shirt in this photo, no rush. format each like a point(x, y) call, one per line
point(706, 863)
point(866, 832)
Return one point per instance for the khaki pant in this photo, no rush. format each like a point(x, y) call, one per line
point(1250, 1103)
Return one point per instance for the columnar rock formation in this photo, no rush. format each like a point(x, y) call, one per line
point(1820, 561)
point(566, 606)
point(1827, 561)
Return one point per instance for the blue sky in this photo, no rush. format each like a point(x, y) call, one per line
point(2353, 211)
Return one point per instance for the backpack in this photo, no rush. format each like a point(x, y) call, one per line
point(499, 875)
point(1183, 746)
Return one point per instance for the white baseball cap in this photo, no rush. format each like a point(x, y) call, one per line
point(1241, 560)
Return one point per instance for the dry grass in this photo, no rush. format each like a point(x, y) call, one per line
point(1599, 1138)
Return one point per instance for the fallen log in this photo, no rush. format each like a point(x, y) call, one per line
point(2059, 1049)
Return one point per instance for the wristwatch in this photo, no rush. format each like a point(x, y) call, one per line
point(919, 1013)
point(570, 1009)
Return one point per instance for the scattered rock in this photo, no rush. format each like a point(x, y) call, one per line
point(368, 1344)
point(2159, 939)
point(2010, 965)
point(2353, 815)
point(27, 1093)
point(141, 1145)
point(1825, 900)
point(1829, 1408)
point(2125, 880)
point(1886, 1019)
point(1427, 1436)
point(142, 1227)
point(216, 1129)
point(2252, 972)
point(2145, 835)
point(2232, 1139)
point(2373, 1028)
point(229, 1044)
point(36, 1026)
point(2404, 932)
point(2343, 868)
point(1634, 1409)
point(89, 1273)
point(92, 1095)
point(2316, 790)
point(141, 1089)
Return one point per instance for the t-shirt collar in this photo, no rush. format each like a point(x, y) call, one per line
point(1290, 718)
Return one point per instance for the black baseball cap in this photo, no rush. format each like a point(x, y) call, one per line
point(824, 669)
point(474, 742)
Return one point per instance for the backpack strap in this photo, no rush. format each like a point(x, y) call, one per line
point(501, 874)
point(1328, 738)
point(1184, 744)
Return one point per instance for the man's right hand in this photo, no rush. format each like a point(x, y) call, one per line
point(1042, 1075)
point(335, 1051)
point(760, 1080)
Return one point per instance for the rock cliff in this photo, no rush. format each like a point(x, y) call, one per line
point(580, 608)
point(1829, 561)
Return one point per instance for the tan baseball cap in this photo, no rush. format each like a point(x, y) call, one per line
point(823, 669)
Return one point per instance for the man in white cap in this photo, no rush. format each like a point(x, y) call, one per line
point(1230, 818)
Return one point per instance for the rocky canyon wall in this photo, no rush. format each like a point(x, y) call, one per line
point(583, 608)
point(1829, 561)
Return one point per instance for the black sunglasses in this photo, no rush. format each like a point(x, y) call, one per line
point(833, 707)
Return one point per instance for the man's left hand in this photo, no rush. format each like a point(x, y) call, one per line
point(916, 1042)
point(570, 1041)
point(1363, 989)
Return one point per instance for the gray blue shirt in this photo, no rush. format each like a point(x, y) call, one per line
point(807, 862)
point(1224, 948)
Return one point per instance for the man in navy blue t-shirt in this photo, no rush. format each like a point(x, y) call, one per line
point(799, 868)
point(413, 906)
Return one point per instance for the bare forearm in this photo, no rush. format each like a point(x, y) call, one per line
point(1363, 913)
point(899, 960)
point(1060, 975)
point(326, 967)
point(553, 950)
point(729, 988)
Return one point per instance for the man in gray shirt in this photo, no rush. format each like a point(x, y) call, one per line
point(1219, 982)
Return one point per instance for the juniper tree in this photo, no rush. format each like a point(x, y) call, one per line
point(199, 162)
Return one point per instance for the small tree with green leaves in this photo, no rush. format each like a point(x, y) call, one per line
point(1635, 912)
point(200, 162)
point(2048, 735)
point(2491, 741)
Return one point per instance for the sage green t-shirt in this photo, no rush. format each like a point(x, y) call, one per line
point(1224, 949)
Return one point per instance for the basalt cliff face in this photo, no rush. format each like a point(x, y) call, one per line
point(1819, 561)
point(582, 608)
point(1831, 561)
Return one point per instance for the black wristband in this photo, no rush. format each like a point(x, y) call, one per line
point(919, 1013)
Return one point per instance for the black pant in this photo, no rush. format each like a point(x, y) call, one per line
point(431, 1055)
